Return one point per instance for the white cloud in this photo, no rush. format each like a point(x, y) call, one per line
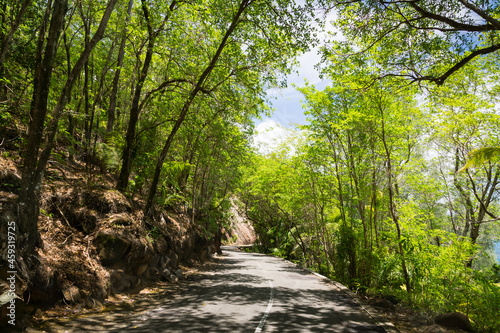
point(269, 135)
point(287, 101)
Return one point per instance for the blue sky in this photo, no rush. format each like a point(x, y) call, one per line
point(497, 250)
point(287, 102)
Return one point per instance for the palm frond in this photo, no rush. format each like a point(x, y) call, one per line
point(478, 157)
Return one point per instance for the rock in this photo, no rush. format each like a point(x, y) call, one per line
point(134, 281)
point(10, 181)
point(121, 285)
point(91, 303)
point(172, 278)
point(382, 303)
point(155, 261)
point(454, 320)
point(106, 202)
point(38, 313)
point(115, 274)
point(140, 269)
point(72, 294)
point(152, 273)
point(165, 274)
point(178, 273)
point(110, 247)
point(43, 276)
point(174, 259)
point(85, 220)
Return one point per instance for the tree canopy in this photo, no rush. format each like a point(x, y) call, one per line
point(391, 188)
point(422, 40)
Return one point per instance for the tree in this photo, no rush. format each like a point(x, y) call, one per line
point(119, 65)
point(34, 161)
point(464, 120)
point(244, 30)
point(31, 178)
point(135, 109)
point(14, 25)
point(422, 40)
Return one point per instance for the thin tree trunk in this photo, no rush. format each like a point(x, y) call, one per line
point(199, 85)
point(34, 167)
point(28, 201)
point(360, 204)
point(116, 79)
point(135, 108)
point(392, 208)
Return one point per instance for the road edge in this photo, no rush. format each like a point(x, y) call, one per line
point(388, 326)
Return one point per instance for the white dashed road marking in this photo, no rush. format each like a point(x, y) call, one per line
point(269, 306)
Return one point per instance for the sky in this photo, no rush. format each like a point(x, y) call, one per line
point(288, 102)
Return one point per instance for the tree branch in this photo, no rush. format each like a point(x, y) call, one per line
point(450, 22)
point(440, 80)
point(481, 13)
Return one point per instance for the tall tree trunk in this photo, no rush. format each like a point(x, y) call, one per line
point(392, 207)
point(116, 79)
point(35, 164)
point(135, 108)
point(360, 205)
point(28, 201)
point(199, 85)
point(87, 22)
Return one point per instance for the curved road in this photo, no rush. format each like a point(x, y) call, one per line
point(246, 292)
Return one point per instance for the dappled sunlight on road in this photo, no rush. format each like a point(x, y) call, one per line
point(231, 295)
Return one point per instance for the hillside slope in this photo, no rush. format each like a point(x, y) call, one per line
point(95, 243)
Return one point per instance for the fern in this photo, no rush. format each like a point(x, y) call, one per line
point(109, 155)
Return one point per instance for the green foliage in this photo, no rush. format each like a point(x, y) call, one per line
point(479, 156)
point(360, 197)
point(424, 41)
point(109, 155)
point(367, 192)
point(173, 200)
point(153, 234)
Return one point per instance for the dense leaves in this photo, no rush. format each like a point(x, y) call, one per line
point(161, 93)
point(376, 190)
point(391, 187)
point(422, 40)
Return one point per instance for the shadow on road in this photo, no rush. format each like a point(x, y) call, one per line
point(222, 297)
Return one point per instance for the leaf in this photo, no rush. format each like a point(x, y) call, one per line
point(477, 157)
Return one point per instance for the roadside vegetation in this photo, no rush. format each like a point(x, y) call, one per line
point(122, 128)
point(392, 188)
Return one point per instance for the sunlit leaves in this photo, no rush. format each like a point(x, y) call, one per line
point(420, 40)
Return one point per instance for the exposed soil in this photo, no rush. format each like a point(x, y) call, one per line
point(95, 243)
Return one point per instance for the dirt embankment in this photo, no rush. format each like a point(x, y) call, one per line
point(95, 242)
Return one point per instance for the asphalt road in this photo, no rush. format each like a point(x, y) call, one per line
point(246, 292)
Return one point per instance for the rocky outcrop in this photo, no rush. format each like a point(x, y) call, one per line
point(242, 231)
point(454, 320)
point(96, 244)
